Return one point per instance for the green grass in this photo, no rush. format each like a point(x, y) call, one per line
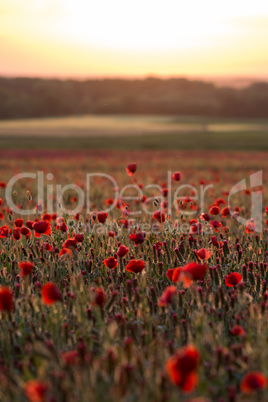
point(250, 141)
point(134, 132)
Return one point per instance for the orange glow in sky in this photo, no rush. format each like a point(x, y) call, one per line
point(86, 38)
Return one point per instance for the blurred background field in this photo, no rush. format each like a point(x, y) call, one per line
point(148, 113)
point(135, 132)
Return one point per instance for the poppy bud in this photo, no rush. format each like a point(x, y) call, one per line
point(176, 176)
point(131, 169)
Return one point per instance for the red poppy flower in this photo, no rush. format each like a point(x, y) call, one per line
point(196, 228)
point(25, 231)
point(76, 216)
point(102, 216)
point(158, 245)
point(167, 296)
point(41, 227)
point(176, 176)
point(125, 223)
point(46, 217)
point(6, 299)
point(79, 237)
point(109, 201)
point(215, 210)
point(4, 232)
point(35, 390)
point(215, 225)
point(122, 251)
point(131, 169)
point(164, 192)
point(250, 228)
point(159, 216)
point(253, 381)
point(194, 271)
point(138, 237)
point(215, 241)
point(70, 243)
point(99, 297)
point(65, 251)
point(164, 204)
point(135, 266)
point(233, 279)
point(119, 203)
point(63, 227)
point(266, 210)
point(47, 247)
point(2, 184)
point(205, 217)
point(225, 212)
point(18, 222)
point(50, 293)
point(177, 274)
point(169, 273)
point(237, 330)
point(111, 262)
point(193, 221)
point(203, 254)
point(143, 198)
point(220, 201)
point(25, 267)
point(70, 358)
point(174, 274)
point(1, 216)
point(30, 224)
point(16, 233)
point(182, 368)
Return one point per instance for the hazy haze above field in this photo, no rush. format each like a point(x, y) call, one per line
point(66, 38)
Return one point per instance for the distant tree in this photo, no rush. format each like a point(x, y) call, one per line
point(36, 97)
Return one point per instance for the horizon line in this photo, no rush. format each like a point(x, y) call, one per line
point(207, 78)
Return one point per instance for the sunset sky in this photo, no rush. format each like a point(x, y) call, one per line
point(86, 38)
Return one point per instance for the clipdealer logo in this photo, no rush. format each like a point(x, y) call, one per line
point(49, 192)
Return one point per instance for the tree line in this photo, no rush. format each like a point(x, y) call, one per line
point(36, 97)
